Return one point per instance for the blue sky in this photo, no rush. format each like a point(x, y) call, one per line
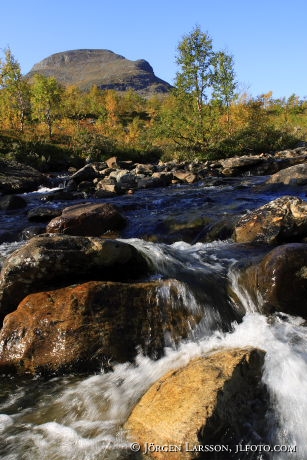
point(268, 39)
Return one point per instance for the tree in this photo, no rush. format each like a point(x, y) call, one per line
point(46, 100)
point(223, 82)
point(194, 57)
point(204, 84)
point(15, 92)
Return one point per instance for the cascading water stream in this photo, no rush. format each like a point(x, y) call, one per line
point(81, 418)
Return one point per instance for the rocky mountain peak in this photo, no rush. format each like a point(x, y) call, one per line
point(103, 68)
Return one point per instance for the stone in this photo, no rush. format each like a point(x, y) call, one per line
point(87, 220)
point(124, 178)
point(78, 328)
point(294, 175)
point(279, 221)
point(278, 283)
point(88, 172)
point(199, 403)
point(18, 178)
point(43, 214)
point(53, 261)
point(86, 187)
point(185, 176)
point(149, 182)
point(235, 166)
point(165, 178)
point(101, 193)
point(10, 202)
point(112, 163)
point(108, 185)
point(31, 231)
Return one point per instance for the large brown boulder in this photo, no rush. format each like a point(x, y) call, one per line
point(87, 220)
point(198, 404)
point(279, 281)
point(279, 221)
point(51, 261)
point(18, 178)
point(83, 327)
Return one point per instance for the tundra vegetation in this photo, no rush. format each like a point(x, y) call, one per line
point(205, 116)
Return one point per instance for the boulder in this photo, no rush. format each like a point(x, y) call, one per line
point(279, 221)
point(33, 230)
point(51, 261)
point(279, 281)
point(108, 185)
point(124, 178)
point(18, 178)
point(10, 202)
point(43, 214)
point(208, 402)
point(87, 220)
point(262, 164)
point(165, 178)
point(88, 172)
point(294, 175)
point(236, 166)
point(113, 163)
point(185, 176)
point(146, 169)
point(149, 182)
point(82, 327)
point(86, 188)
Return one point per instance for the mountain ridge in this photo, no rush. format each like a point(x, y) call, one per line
point(103, 68)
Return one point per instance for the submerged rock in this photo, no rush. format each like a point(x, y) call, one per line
point(87, 220)
point(278, 283)
point(280, 221)
point(50, 261)
point(82, 327)
point(210, 401)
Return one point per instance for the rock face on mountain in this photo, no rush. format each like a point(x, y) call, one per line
point(103, 68)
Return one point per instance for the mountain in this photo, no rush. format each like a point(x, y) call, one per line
point(87, 67)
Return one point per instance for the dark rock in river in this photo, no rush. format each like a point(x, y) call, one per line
point(43, 214)
point(279, 281)
point(87, 220)
point(31, 231)
point(9, 202)
point(18, 178)
point(50, 261)
point(88, 172)
point(208, 402)
point(81, 327)
point(280, 221)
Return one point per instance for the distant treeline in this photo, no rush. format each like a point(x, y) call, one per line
point(205, 117)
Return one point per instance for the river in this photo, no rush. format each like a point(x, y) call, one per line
point(81, 417)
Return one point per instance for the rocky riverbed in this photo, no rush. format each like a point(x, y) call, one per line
point(154, 275)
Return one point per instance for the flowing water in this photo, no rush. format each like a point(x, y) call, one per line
point(81, 417)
